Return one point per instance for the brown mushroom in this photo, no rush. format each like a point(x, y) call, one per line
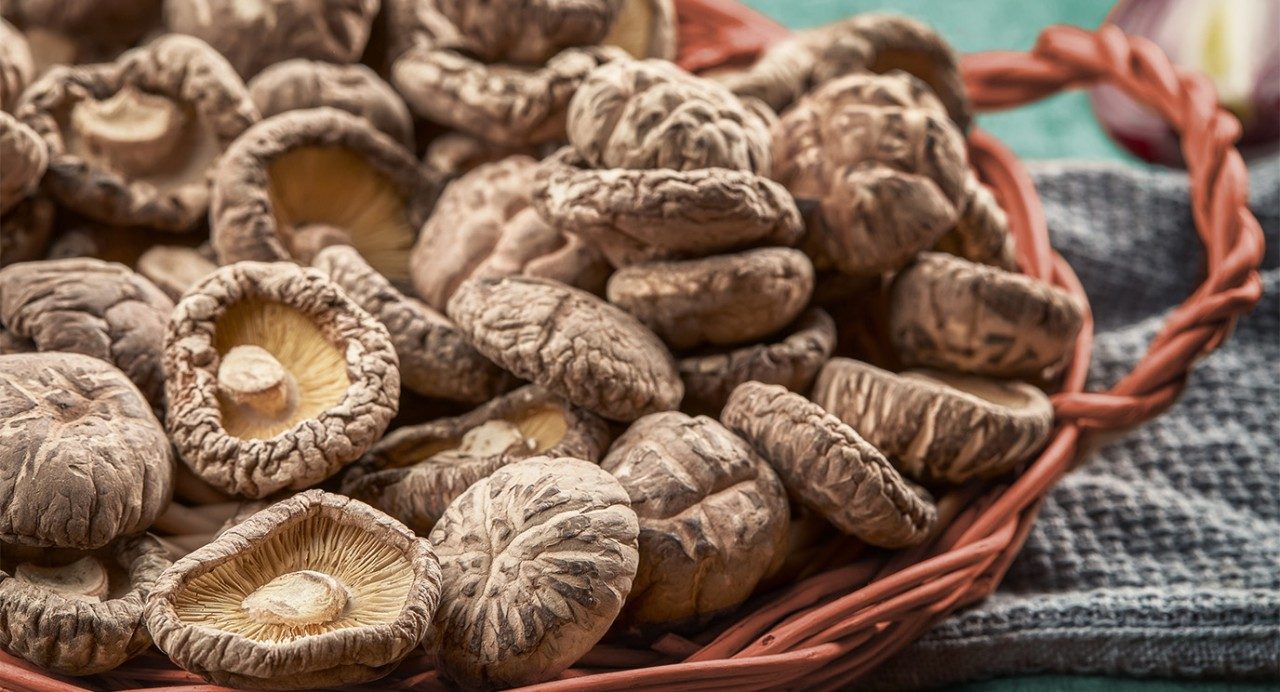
point(253, 35)
point(569, 342)
point(713, 518)
point(435, 359)
point(949, 313)
point(302, 180)
point(78, 613)
point(537, 560)
point(87, 306)
point(721, 300)
point(485, 227)
point(12, 343)
point(174, 268)
point(415, 472)
point(318, 590)
point(25, 157)
point(70, 32)
point(711, 375)
point(299, 84)
point(829, 467)
point(645, 29)
point(981, 233)
point(132, 143)
point(83, 458)
point(276, 379)
point(455, 154)
point(28, 228)
point(16, 66)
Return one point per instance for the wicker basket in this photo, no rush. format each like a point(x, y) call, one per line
point(829, 629)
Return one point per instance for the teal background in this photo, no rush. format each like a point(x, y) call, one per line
point(1059, 127)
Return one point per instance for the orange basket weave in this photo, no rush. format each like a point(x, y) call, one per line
point(826, 631)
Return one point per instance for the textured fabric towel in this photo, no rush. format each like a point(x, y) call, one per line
point(1160, 555)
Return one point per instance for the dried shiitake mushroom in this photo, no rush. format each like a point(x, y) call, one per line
point(78, 613)
point(455, 154)
point(256, 34)
point(174, 268)
point(537, 560)
point(88, 306)
point(829, 467)
point(83, 459)
point(936, 426)
point(12, 343)
point(16, 66)
point(645, 29)
point(570, 343)
point(28, 228)
point(484, 226)
point(132, 142)
point(303, 180)
point(435, 359)
point(25, 157)
point(70, 32)
point(276, 379)
point(711, 375)
point(982, 231)
point(415, 472)
point(529, 31)
point(318, 590)
point(300, 84)
point(713, 517)
point(949, 313)
point(720, 300)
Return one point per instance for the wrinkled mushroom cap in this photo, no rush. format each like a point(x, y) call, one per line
point(25, 157)
point(300, 84)
point(276, 379)
point(645, 29)
point(713, 516)
point(317, 590)
point(84, 459)
point(830, 467)
point(529, 31)
point(16, 66)
point(568, 342)
point(537, 560)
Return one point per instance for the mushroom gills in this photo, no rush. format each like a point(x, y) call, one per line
point(85, 579)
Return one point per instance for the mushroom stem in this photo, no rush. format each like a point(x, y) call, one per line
point(133, 131)
point(252, 377)
point(85, 579)
point(297, 599)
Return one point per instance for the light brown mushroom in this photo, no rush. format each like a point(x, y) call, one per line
point(952, 314)
point(537, 560)
point(25, 156)
point(16, 66)
point(72, 32)
point(28, 228)
point(174, 268)
point(318, 590)
point(276, 379)
point(299, 84)
point(645, 29)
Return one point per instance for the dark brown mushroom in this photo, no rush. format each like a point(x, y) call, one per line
point(299, 84)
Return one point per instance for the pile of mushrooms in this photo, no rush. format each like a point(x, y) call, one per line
point(338, 334)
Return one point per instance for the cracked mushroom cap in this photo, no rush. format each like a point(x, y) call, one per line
point(255, 34)
point(303, 180)
point(721, 300)
point(634, 216)
point(435, 359)
point(643, 114)
point(84, 459)
point(569, 342)
point(78, 613)
point(318, 590)
point(829, 467)
point(645, 29)
point(276, 378)
point(174, 268)
point(952, 314)
point(28, 228)
point(937, 426)
point(485, 226)
point(537, 560)
point(713, 517)
point(299, 84)
point(415, 472)
point(100, 309)
point(16, 66)
point(25, 157)
point(711, 375)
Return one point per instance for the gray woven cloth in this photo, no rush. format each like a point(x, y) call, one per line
point(1160, 556)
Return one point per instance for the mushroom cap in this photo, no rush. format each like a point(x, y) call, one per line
point(72, 636)
point(416, 471)
point(981, 233)
point(119, 22)
point(174, 268)
point(455, 154)
point(710, 376)
point(721, 300)
point(537, 560)
point(643, 114)
point(16, 66)
point(299, 84)
point(338, 357)
point(253, 36)
point(12, 343)
point(645, 29)
point(713, 517)
point(319, 169)
point(84, 459)
point(25, 156)
point(484, 226)
point(569, 342)
point(634, 216)
point(529, 31)
point(936, 426)
point(949, 313)
point(28, 228)
point(435, 359)
point(100, 309)
point(829, 467)
point(179, 73)
point(387, 583)
point(903, 43)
